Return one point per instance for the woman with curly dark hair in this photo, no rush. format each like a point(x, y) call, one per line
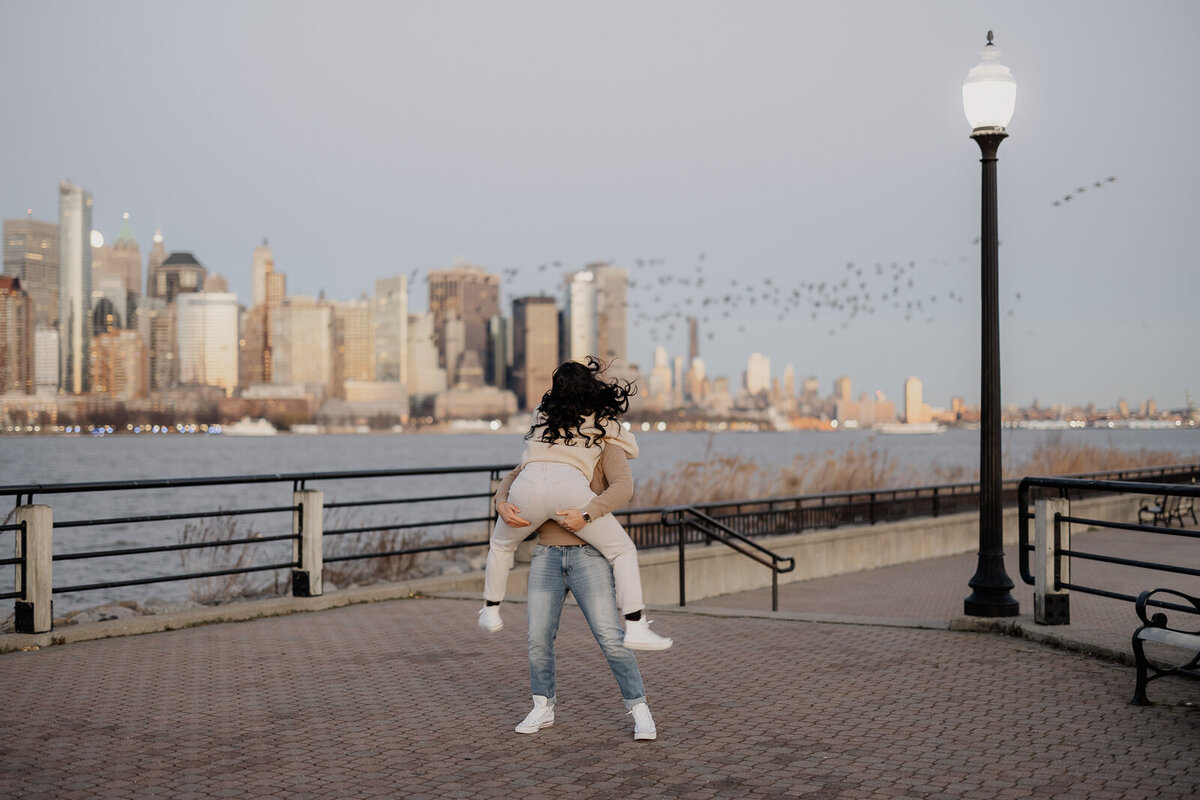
point(576, 420)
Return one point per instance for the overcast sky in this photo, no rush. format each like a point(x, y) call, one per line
point(768, 143)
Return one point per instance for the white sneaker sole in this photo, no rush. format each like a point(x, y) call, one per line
point(533, 728)
point(493, 628)
point(646, 737)
point(649, 645)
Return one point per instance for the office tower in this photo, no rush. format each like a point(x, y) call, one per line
point(119, 365)
point(126, 256)
point(45, 360)
point(31, 254)
point(16, 337)
point(156, 327)
point(179, 274)
point(535, 348)
point(695, 381)
point(596, 313)
point(264, 265)
point(454, 335)
point(809, 388)
point(74, 288)
point(693, 339)
point(758, 374)
point(841, 389)
point(499, 351)
point(425, 376)
point(216, 284)
point(471, 294)
point(390, 326)
point(789, 381)
point(353, 344)
point(302, 343)
point(158, 254)
point(913, 406)
point(660, 374)
point(207, 339)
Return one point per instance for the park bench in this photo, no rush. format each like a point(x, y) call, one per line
point(1155, 629)
point(1167, 508)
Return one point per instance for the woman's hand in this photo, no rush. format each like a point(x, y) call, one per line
point(511, 515)
point(572, 519)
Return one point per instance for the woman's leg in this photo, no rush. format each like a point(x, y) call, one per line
point(528, 494)
point(590, 578)
point(609, 537)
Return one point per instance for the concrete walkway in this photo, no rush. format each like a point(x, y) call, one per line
point(860, 687)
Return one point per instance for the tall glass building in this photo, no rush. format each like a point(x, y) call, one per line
point(74, 288)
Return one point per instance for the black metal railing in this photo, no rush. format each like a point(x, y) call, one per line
point(1074, 488)
point(715, 530)
point(647, 526)
point(17, 528)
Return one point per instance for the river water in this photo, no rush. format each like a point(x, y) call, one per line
point(69, 459)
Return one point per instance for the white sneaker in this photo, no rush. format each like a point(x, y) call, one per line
point(638, 636)
point(489, 619)
point(643, 723)
point(542, 716)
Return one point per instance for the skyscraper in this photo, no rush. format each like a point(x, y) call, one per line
point(119, 365)
point(207, 336)
point(535, 348)
point(913, 405)
point(471, 294)
point(353, 344)
point(31, 254)
point(596, 313)
point(16, 337)
point(264, 265)
point(74, 288)
point(126, 258)
point(841, 389)
point(390, 329)
point(758, 374)
point(693, 339)
point(302, 343)
point(425, 377)
point(179, 274)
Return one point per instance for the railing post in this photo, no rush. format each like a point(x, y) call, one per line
point(682, 576)
point(35, 610)
point(309, 523)
point(1051, 604)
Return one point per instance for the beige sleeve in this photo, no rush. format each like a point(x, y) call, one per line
point(614, 467)
point(501, 495)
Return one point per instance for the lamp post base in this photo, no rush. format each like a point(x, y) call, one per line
point(992, 595)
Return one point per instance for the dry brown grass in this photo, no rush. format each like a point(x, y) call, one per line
point(217, 556)
point(864, 467)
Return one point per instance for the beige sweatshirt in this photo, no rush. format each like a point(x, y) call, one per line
point(612, 482)
point(579, 453)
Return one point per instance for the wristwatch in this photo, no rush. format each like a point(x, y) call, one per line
point(587, 517)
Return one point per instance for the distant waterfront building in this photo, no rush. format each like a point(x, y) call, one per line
point(425, 376)
point(158, 254)
point(207, 336)
point(660, 377)
point(500, 347)
point(353, 344)
point(595, 313)
point(264, 265)
point(74, 288)
point(16, 337)
point(915, 410)
point(697, 382)
point(841, 389)
point(390, 329)
point(535, 348)
point(31, 254)
point(302, 344)
point(179, 274)
point(758, 374)
point(468, 293)
point(156, 327)
point(127, 256)
point(119, 365)
point(45, 360)
point(693, 339)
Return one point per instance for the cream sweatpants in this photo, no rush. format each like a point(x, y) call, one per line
point(541, 489)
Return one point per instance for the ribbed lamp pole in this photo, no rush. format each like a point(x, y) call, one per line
point(989, 98)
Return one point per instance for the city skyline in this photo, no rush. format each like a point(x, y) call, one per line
point(776, 143)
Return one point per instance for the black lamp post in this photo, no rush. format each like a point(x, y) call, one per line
point(989, 97)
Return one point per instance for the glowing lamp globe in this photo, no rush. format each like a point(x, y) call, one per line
point(989, 92)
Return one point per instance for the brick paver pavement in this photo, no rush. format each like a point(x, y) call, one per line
point(410, 699)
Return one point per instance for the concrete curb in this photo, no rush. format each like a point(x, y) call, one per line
point(1089, 641)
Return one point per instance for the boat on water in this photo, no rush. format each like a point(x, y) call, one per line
point(909, 427)
point(249, 427)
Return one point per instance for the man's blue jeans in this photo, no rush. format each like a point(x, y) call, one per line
point(585, 573)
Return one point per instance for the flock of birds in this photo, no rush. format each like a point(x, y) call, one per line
point(661, 298)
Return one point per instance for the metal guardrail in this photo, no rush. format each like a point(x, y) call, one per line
point(1073, 488)
point(647, 526)
point(714, 530)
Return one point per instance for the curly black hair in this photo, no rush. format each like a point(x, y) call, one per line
point(577, 391)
